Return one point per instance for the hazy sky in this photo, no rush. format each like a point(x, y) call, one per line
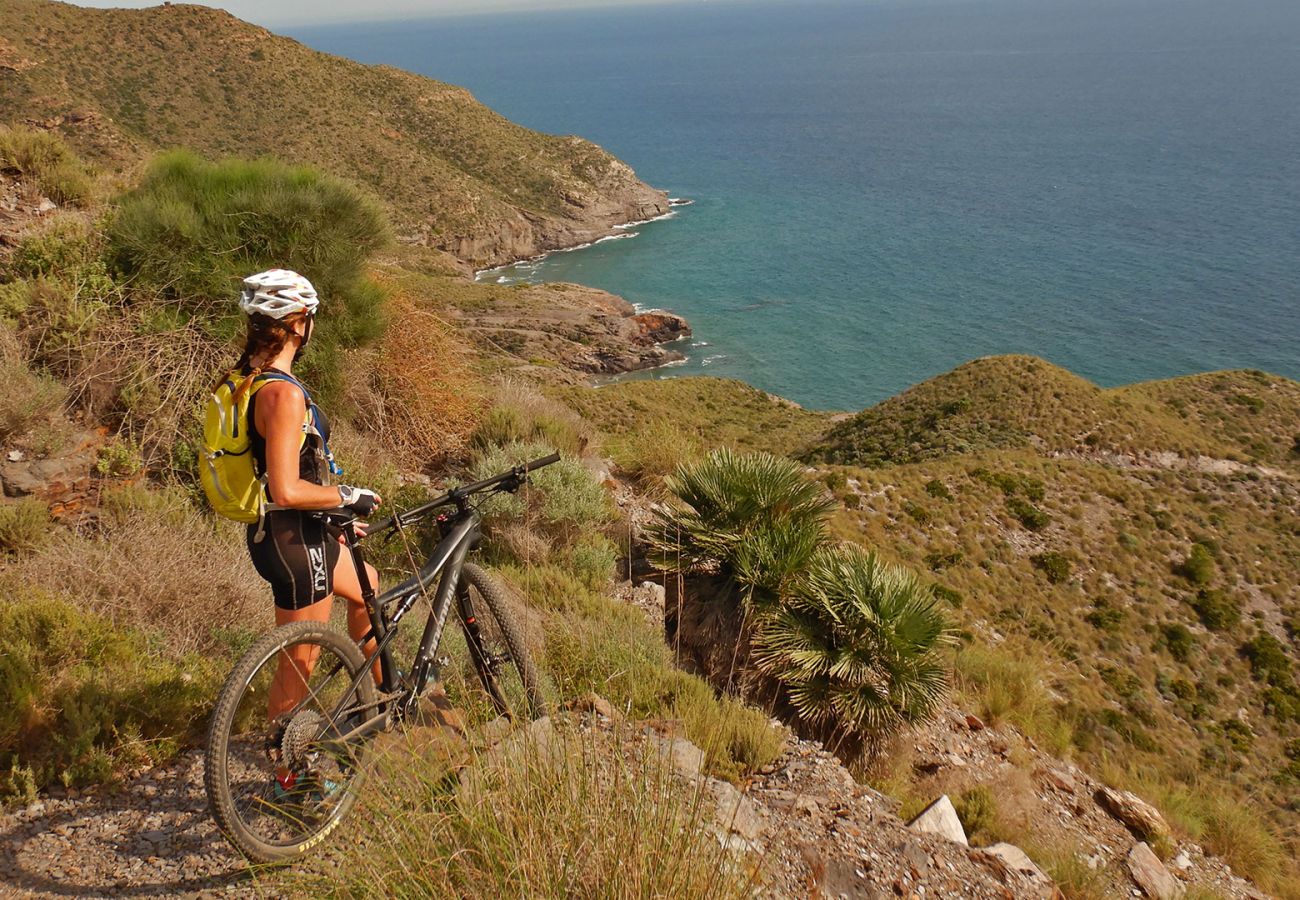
point(280, 12)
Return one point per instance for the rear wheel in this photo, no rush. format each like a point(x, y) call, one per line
point(490, 673)
point(308, 741)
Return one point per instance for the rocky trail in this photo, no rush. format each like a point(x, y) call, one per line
point(149, 837)
point(811, 829)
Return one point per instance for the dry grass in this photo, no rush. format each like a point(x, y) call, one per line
point(47, 165)
point(153, 563)
point(29, 398)
point(522, 413)
point(574, 815)
point(415, 393)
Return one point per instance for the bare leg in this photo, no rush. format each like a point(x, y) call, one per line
point(289, 686)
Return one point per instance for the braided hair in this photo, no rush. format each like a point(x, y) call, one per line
point(264, 340)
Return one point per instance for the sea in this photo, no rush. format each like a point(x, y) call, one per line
point(883, 189)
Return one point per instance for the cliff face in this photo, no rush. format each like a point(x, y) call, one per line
point(121, 84)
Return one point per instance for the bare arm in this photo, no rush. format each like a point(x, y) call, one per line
point(279, 414)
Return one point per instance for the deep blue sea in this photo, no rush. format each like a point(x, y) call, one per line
point(886, 189)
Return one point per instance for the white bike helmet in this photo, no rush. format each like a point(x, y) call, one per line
point(278, 293)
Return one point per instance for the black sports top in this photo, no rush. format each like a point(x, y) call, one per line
point(309, 456)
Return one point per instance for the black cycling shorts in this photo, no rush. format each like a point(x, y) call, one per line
point(296, 555)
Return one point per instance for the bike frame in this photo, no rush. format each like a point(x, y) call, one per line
point(460, 535)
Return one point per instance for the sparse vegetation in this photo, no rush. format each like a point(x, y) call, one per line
point(45, 164)
point(515, 832)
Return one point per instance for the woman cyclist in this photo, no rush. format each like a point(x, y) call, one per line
point(292, 547)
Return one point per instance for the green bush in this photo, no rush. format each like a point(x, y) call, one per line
point(1217, 609)
point(1105, 616)
point(592, 559)
point(1178, 641)
point(80, 697)
point(937, 489)
point(977, 807)
point(564, 497)
point(42, 158)
point(1029, 515)
point(857, 645)
point(193, 229)
point(24, 525)
point(757, 518)
point(1054, 565)
point(1198, 566)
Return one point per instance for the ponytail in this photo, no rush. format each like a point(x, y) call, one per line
point(265, 338)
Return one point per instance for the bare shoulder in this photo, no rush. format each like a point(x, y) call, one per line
point(276, 399)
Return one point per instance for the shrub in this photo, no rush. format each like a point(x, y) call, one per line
point(564, 496)
point(1178, 641)
point(1105, 616)
point(415, 395)
point(1054, 565)
point(977, 807)
point(42, 158)
point(755, 517)
point(938, 561)
point(193, 229)
point(29, 398)
point(1198, 566)
point(656, 450)
point(79, 697)
point(592, 559)
point(577, 816)
point(520, 413)
point(24, 525)
point(1029, 515)
point(937, 489)
point(1217, 609)
point(153, 563)
point(952, 597)
point(856, 645)
point(1268, 659)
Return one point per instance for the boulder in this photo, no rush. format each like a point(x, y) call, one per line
point(1150, 874)
point(1141, 817)
point(940, 818)
point(1017, 860)
point(685, 757)
point(735, 812)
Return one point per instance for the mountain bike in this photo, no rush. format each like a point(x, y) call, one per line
point(348, 698)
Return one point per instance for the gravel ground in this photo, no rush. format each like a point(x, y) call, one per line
point(151, 837)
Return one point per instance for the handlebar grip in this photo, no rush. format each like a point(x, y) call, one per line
point(541, 461)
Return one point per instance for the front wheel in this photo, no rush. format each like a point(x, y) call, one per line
point(495, 657)
point(280, 769)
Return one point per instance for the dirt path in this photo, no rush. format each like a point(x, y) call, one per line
point(152, 837)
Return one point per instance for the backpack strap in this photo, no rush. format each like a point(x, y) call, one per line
point(312, 428)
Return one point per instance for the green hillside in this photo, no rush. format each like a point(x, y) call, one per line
point(1005, 402)
point(121, 84)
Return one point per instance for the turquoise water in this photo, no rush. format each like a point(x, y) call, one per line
point(883, 190)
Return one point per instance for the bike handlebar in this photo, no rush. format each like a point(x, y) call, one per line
point(460, 494)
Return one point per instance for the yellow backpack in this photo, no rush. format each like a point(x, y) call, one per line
point(227, 470)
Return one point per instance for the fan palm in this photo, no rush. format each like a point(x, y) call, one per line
point(857, 645)
point(754, 518)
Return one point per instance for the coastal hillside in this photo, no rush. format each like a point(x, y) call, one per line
point(1007, 634)
point(1136, 547)
point(122, 84)
point(1006, 402)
